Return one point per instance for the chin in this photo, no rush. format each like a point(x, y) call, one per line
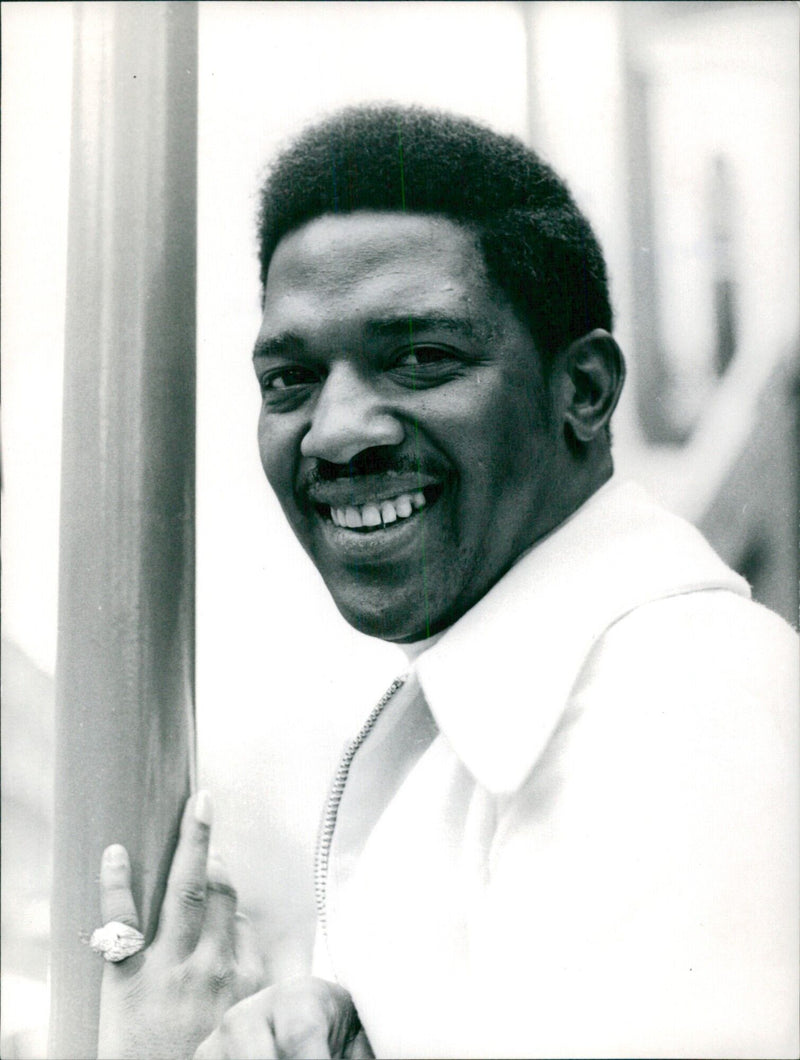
point(394, 623)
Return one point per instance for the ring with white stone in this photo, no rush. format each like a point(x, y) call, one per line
point(116, 941)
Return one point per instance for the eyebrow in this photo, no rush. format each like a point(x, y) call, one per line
point(404, 325)
point(278, 346)
point(398, 327)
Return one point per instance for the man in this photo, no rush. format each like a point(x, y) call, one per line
point(570, 830)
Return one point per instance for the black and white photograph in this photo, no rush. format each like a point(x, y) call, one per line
point(399, 433)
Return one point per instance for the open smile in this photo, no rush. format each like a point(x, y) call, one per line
point(377, 515)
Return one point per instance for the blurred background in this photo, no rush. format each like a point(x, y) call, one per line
point(676, 127)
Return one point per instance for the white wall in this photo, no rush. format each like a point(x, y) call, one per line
point(36, 90)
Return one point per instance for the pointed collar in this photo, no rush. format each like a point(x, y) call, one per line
point(498, 680)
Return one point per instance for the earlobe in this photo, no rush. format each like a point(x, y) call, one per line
point(593, 373)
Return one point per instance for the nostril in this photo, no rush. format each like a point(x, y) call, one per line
point(376, 460)
point(329, 472)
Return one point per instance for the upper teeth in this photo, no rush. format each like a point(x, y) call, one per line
point(380, 513)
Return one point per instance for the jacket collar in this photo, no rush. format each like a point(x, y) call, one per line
point(498, 680)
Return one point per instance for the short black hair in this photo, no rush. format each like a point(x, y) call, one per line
point(537, 245)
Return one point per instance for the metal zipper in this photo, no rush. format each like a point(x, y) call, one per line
point(328, 823)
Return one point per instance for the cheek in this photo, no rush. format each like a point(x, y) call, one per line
point(266, 447)
point(279, 450)
point(507, 446)
point(462, 416)
point(494, 428)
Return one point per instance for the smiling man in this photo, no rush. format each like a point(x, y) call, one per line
point(570, 828)
point(405, 426)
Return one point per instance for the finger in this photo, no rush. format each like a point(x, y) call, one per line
point(345, 1036)
point(243, 1034)
point(218, 1047)
point(116, 900)
point(359, 1048)
point(314, 1043)
point(210, 1048)
point(184, 907)
point(305, 1017)
point(248, 953)
point(218, 936)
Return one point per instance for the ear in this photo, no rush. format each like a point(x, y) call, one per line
point(592, 374)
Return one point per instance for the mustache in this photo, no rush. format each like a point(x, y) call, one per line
point(380, 460)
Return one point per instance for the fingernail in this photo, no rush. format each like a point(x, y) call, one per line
point(202, 808)
point(115, 855)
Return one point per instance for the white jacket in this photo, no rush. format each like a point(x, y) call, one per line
point(574, 831)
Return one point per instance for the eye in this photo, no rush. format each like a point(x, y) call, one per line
point(420, 356)
point(424, 365)
point(287, 377)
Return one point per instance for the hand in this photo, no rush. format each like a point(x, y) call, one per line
point(163, 1001)
point(308, 1018)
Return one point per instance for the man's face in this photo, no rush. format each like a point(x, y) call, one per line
point(405, 424)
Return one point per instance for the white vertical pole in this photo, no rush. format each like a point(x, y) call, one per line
point(125, 667)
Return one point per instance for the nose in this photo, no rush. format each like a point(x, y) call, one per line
point(349, 417)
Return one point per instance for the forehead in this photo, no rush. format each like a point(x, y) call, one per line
point(366, 264)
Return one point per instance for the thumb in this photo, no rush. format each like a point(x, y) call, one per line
point(359, 1048)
